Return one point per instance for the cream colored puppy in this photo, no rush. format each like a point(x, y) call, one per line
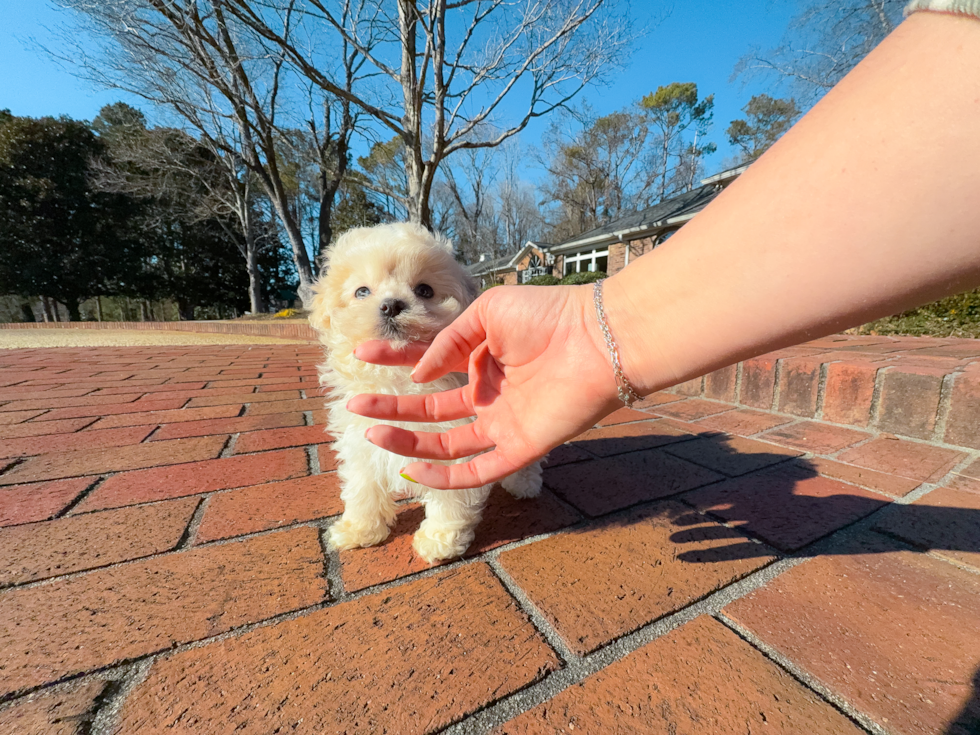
point(400, 283)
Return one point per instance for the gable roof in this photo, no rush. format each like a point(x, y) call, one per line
point(675, 210)
point(507, 262)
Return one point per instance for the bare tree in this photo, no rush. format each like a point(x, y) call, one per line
point(201, 180)
point(193, 58)
point(823, 42)
point(444, 70)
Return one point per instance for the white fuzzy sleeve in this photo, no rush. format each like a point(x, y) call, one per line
point(957, 7)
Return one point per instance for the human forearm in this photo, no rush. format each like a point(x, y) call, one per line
point(869, 205)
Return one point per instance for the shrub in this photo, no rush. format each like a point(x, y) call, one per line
point(574, 279)
point(954, 316)
point(545, 280)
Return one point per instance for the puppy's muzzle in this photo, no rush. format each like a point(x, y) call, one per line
point(390, 308)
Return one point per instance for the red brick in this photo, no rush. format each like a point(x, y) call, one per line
point(303, 404)
point(311, 387)
point(275, 504)
point(237, 383)
point(972, 470)
point(114, 459)
point(692, 410)
point(720, 384)
point(327, 457)
point(109, 615)
point(26, 394)
point(40, 428)
point(260, 441)
point(89, 440)
point(878, 481)
point(180, 480)
point(893, 633)
point(222, 400)
point(731, 455)
point(147, 390)
point(799, 382)
point(963, 423)
point(62, 712)
point(788, 506)
point(16, 417)
point(699, 678)
point(656, 399)
point(689, 387)
point(29, 503)
point(602, 582)
point(621, 438)
point(228, 426)
point(409, 660)
point(742, 421)
point(946, 521)
point(602, 486)
point(180, 415)
point(505, 520)
point(908, 459)
point(565, 454)
point(624, 416)
point(113, 409)
point(910, 401)
point(79, 401)
point(758, 382)
point(811, 436)
point(848, 392)
point(53, 548)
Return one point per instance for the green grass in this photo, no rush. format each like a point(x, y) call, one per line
point(955, 316)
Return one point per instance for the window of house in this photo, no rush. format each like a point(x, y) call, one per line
point(593, 260)
point(665, 237)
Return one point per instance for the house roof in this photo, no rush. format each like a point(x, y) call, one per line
point(675, 210)
point(505, 263)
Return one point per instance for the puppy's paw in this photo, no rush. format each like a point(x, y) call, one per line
point(348, 533)
point(434, 543)
point(525, 483)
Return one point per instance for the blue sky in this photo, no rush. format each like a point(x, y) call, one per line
point(699, 41)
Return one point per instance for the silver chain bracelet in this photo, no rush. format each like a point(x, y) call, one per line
point(627, 393)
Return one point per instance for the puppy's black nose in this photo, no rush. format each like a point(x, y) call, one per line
point(392, 307)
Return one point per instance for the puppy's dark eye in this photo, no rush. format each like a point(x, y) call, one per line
point(362, 293)
point(424, 291)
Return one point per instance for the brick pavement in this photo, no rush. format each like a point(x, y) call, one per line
point(788, 545)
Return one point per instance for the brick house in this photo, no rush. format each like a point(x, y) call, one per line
point(612, 246)
point(531, 260)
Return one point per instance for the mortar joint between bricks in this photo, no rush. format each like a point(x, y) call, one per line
point(313, 460)
point(229, 448)
point(777, 374)
point(945, 405)
point(803, 677)
point(190, 533)
point(737, 395)
point(534, 614)
point(109, 703)
point(821, 390)
point(874, 412)
point(331, 566)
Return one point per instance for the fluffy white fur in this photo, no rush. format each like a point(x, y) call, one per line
point(392, 262)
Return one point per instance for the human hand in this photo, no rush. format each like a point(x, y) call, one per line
point(539, 374)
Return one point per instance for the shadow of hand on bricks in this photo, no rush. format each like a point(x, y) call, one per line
point(967, 721)
point(769, 496)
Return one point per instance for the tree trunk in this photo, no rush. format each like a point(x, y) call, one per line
point(74, 314)
point(185, 311)
point(254, 277)
point(144, 317)
point(46, 310)
point(98, 308)
point(27, 312)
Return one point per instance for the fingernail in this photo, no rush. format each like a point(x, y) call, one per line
point(408, 478)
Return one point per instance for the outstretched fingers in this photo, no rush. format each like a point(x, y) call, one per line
point(446, 406)
point(452, 346)
point(462, 441)
point(481, 470)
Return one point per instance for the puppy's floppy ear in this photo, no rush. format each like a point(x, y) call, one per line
point(315, 301)
point(470, 288)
